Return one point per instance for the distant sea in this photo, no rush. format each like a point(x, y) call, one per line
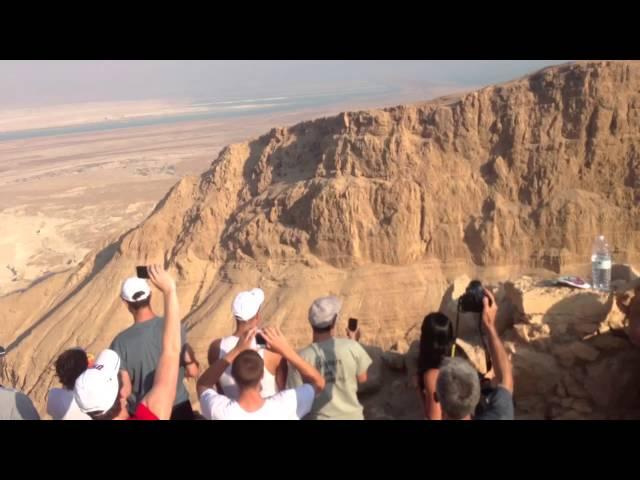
point(213, 110)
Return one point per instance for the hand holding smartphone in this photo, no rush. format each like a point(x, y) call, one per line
point(142, 272)
point(353, 332)
point(353, 324)
point(260, 340)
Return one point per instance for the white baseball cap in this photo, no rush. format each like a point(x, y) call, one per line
point(324, 310)
point(135, 289)
point(97, 388)
point(246, 304)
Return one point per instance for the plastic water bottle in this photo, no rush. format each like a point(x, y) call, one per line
point(601, 264)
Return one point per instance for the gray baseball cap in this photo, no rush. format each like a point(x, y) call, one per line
point(324, 310)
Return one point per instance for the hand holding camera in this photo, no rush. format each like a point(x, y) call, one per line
point(473, 297)
point(478, 299)
point(489, 311)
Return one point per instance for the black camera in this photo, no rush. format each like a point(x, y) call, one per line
point(471, 300)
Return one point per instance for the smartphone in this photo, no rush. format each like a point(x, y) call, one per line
point(260, 340)
point(353, 324)
point(142, 272)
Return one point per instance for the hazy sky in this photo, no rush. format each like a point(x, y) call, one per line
point(46, 82)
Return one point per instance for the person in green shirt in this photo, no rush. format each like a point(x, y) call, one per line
point(341, 361)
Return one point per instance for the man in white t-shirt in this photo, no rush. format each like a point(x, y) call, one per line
point(247, 369)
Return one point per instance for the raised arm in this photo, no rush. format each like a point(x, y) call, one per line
point(161, 397)
point(277, 342)
point(499, 357)
point(355, 336)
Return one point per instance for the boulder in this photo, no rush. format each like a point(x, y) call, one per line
point(374, 374)
point(563, 354)
point(535, 303)
point(608, 342)
point(613, 382)
point(411, 362)
point(401, 346)
point(394, 360)
point(586, 328)
point(581, 406)
point(473, 349)
point(468, 323)
point(535, 373)
point(571, 415)
point(561, 391)
point(573, 386)
point(584, 351)
point(529, 333)
point(376, 413)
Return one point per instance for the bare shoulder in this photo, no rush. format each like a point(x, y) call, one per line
point(272, 360)
point(430, 377)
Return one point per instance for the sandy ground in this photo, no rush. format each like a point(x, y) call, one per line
point(62, 195)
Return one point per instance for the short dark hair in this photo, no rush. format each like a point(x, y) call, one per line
point(70, 365)
point(140, 303)
point(110, 414)
point(247, 369)
point(327, 328)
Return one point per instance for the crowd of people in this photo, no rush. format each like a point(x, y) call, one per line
point(255, 373)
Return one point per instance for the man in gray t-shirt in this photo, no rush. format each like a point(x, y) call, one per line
point(15, 405)
point(342, 362)
point(139, 348)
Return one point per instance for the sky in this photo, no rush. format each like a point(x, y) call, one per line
point(30, 83)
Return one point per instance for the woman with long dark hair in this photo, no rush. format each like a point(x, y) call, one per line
point(436, 342)
point(60, 402)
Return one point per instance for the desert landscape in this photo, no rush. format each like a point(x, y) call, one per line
point(61, 195)
point(64, 194)
point(392, 209)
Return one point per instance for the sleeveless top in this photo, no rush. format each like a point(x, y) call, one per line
point(228, 384)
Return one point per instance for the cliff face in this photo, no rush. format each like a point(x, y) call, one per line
point(523, 173)
point(371, 206)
